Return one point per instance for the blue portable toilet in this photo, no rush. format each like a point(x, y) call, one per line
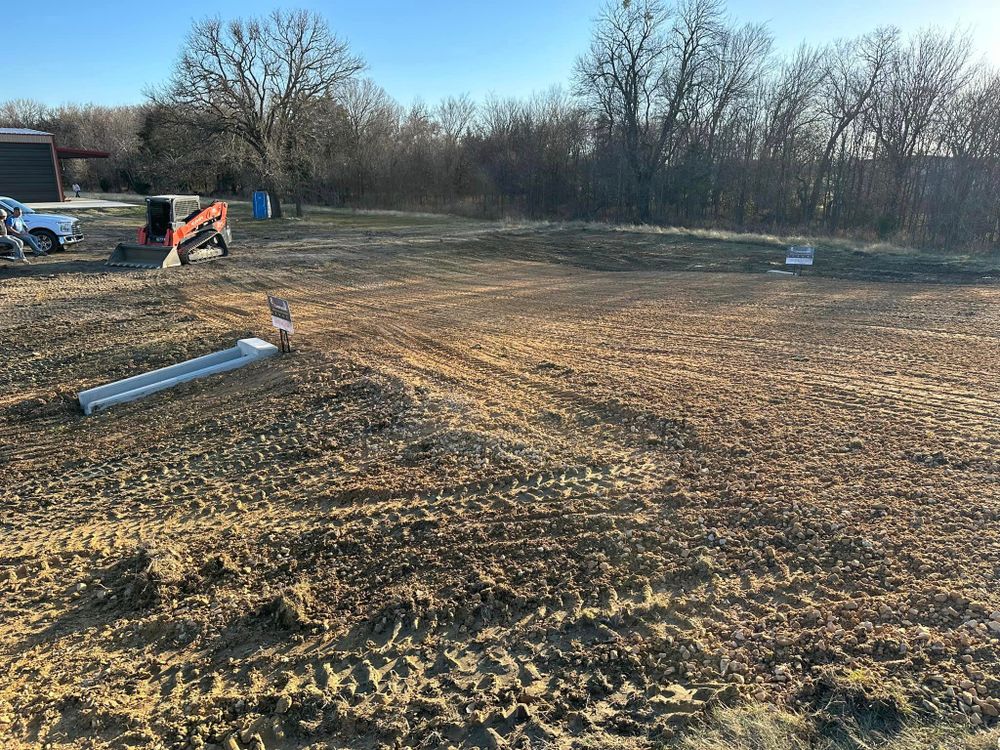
point(261, 205)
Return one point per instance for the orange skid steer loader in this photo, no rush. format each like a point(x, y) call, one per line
point(178, 231)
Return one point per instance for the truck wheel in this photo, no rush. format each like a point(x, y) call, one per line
point(47, 240)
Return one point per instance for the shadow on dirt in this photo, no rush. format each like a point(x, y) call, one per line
point(52, 267)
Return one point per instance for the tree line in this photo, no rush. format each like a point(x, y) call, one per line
point(675, 115)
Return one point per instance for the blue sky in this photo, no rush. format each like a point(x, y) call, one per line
point(108, 52)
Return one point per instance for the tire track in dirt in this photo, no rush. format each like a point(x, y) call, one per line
point(495, 476)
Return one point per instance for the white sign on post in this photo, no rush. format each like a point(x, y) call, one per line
point(281, 315)
point(800, 255)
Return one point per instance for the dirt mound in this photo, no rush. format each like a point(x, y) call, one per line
point(155, 576)
point(290, 608)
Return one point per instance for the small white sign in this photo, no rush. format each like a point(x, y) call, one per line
point(800, 255)
point(281, 314)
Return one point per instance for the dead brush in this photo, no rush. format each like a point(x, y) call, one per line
point(153, 576)
point(289, 609)
point(761, 726)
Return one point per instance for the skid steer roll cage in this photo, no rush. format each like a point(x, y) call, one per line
point(170, 222)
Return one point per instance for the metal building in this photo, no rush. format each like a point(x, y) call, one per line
point(29, 166)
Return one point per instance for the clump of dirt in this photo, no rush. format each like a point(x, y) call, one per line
point(290, 608)
point(220, 565)
point(153, 576)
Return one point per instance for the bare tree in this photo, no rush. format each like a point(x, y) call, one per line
point(790, 121)
point(733, 75)
point(372, 119)
point(643, 64)
point(454, 117)
point(922, 80)
point(855, 70)
point(23, 113)
point(734, 71)
point(964, 205)
point(261, 80)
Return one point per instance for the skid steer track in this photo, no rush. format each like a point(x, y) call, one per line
point(205, 246)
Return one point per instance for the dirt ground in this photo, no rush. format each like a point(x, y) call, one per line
point(528, 486)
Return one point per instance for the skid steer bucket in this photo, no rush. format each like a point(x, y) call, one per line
point(144, 256)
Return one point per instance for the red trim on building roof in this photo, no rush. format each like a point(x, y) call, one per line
point(80, 153)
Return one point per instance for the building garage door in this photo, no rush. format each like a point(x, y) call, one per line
point(28, 172)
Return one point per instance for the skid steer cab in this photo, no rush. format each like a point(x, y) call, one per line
point(178, 231)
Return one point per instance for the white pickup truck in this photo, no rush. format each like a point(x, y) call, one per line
point(53, 232)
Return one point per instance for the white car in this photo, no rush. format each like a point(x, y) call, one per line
point(53, 232)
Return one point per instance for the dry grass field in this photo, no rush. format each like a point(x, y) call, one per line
point(516, 486)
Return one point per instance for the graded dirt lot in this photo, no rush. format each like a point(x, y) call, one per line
point(517, 485)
